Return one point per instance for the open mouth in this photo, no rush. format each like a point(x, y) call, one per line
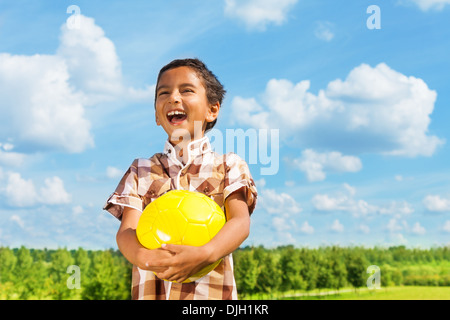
point(176, 117)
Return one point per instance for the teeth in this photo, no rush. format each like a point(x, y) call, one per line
point(172, 113)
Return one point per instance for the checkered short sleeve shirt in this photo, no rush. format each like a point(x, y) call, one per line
point(215, 175)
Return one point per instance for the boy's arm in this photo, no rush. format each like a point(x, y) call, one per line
point(130, 247)
point(188, 260)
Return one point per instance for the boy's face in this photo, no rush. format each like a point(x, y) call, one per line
point(182, 105)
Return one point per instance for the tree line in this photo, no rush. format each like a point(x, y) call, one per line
point(46, 274)
point(268, 271)
point(105, 274)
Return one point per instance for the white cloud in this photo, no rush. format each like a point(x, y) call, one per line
point(374, 110)
point(20, 192)
point(446, 226)
point(401, 178)
point(44, 96)
point(40, 110)
point(418, 229)
point(11, 159)
point(364, 229)
point(91, 60)
point(324, 31)
point(289, 183)
point(324, 202)
point(7, 146)
point(254, 114)
point(397, 208)
point(393, 226)
point(278, 203)
point(260, 183)
point(315, 164)
point(344, 201)
point(17, 220)
point(113, 172)
point(281, 208)
point(53, 192)
point(436, 203)
point(306, 228)
point(337, 226)
point(280, 224)
point(77, 210)
point(349, 189)
point(426, 5)
point(396, 239)
point(257, 14)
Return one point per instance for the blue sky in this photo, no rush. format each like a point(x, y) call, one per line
point(357, 116)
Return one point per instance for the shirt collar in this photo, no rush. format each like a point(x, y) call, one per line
point(195, 148)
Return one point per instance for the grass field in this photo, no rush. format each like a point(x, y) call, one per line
point(387, 293)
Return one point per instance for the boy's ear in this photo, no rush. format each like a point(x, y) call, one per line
point(158, 123)
point(213, 112)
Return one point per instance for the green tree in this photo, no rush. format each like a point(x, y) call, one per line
point(291, 266)
point(309, 268)
point(8, 262)
point(246, 271)
point(400, 254)
point(37, 278)
point(269, 275)
point(324, 275)
point(108, 280)
point(337, 268)
point(356, 266)
point(61, 259)
point(21, 273)
point(83, 261)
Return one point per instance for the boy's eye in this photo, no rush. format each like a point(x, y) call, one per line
point(162, 92)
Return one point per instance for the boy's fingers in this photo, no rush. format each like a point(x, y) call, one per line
point(170, 277)
point(166, 275)
point(171, 247)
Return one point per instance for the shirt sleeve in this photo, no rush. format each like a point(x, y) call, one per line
point(237, 176)
point(126, 193)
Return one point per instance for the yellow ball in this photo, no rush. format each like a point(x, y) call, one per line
point(181, 217)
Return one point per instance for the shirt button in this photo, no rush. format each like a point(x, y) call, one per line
point(206, 190)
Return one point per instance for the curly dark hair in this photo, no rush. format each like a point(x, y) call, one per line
point(215, 91)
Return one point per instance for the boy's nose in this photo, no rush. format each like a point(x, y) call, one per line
point(175, 97)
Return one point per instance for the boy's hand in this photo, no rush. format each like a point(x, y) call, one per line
point(183, 262)
point(146, 259)
point(179, 262)
point(131, 248)
point(187, 260)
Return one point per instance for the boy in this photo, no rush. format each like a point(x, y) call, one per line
point(188, 97)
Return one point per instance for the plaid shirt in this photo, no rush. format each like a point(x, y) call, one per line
point(215, 175)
